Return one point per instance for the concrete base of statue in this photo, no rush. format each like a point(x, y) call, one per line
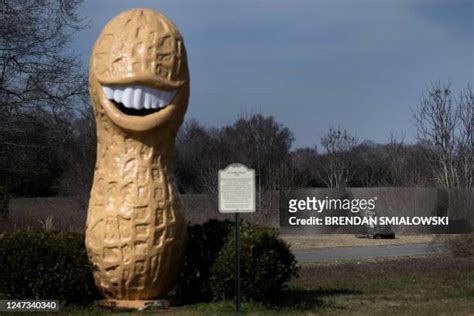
point(139, 305)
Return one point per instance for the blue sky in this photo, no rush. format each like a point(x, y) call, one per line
point(361, 65)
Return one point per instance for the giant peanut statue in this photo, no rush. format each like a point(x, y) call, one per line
point(139, 85)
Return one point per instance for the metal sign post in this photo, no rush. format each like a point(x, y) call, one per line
point(237, 262)
point(237, 195)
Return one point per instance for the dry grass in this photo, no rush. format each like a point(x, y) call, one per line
point(300, 242)
point(69, 214)
point(435, 285)
point(62, 213)
point(461, 245)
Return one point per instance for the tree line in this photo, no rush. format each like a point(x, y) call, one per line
point(443, 155)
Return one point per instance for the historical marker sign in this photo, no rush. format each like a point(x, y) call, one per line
point(236, 189)
point(237, 195)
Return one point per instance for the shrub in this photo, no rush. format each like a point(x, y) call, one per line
point(4, 201)
point(266, 265)
point(46, 265)
point(54, 265)
point(204, 244)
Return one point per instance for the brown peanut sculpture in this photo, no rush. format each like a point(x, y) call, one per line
point(139, 85)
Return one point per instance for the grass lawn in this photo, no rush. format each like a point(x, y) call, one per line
point(423, 286)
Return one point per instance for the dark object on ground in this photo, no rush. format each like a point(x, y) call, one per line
point(377, 232)
point(384, 236)
point(46, 265)
point(266, 265)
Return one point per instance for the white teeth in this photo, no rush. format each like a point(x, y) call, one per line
point(117, 95)
point(139, 97)
point(127, 97)
point(108, 92)
point(147, 100)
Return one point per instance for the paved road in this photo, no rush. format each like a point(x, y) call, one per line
point(305, 256)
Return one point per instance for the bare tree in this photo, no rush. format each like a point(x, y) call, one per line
point(466, 138)
point(394, 151)
point(41, 86)
point(445, 128)
point(338, 168)
point(404, 163)
point(436, 120)
point(35, 70)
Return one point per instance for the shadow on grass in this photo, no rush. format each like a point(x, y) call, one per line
point(289, 301)
point(303, 299)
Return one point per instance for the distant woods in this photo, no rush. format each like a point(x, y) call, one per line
point(47, 132)
point(342, 160)
point(442, 157)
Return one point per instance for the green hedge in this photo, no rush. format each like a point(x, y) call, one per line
point(266, 265)
point(204, 244)
point(46, 265)
point(54, 265)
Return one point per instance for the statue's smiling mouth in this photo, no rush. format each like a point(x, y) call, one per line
point(138, 100)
